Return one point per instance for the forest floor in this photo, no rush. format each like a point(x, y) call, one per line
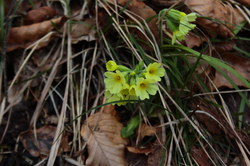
point(125, 82)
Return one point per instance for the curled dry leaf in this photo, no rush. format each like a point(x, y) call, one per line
point(39, 15)
point(138, 150)
point(22, 37)
point(240, 64)
point(42, 145)
point(102, 132)
point(220, 12)
point(83, 30)
point(145, 130)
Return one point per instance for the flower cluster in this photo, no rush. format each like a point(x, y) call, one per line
point(122, 83)
point(178, 23)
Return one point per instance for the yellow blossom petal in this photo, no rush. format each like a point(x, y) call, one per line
point(114, 81)
point(154, 72)
point(145, 86)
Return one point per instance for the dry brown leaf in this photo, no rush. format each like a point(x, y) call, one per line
point(45, 137)
point(244, 2)
point(39, 15)
point(156, 154)
point(22, 37)
point(144, 11)
point(23, 7)
point(163, 3)
point(222, 47)
point(219, 11)
point(157, 150)
point(210, 119)
point(193, 40)
point(211, 124)
point(200, 156)
point(139, 150)
point(240, 64)
point(145, 130)
point(83, 31)
point(102, 132)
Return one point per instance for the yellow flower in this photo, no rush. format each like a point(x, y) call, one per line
point(145, 87)
point(179, 23)
point(114, 82)
point(111, 66)
point(154, 72)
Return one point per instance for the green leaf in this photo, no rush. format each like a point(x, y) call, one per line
point(132, 125)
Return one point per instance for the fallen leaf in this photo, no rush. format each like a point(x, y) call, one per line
point(205, 117)
point(217, 10)
point(22, 37)
point(210, 116)
point(244, 2)
point(39, 15)
point(163, 3)
point(193, 40)
point(83, 30)
point(240, 64)
point(145, 130)
point(101, 131)
point(222, 47)
point(23, 7)
point(136, 159)
point(136, 150)
point(200, 156)
point(141, 9)
point(157, 150)
point(42, 145)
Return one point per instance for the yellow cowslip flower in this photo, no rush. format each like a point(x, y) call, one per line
point(154, 72)
point(114, 82)
point(179, 23)
point(111, 66)
point(145, 87)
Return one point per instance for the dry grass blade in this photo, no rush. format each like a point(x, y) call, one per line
point(60, 125)
point(44, 93)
